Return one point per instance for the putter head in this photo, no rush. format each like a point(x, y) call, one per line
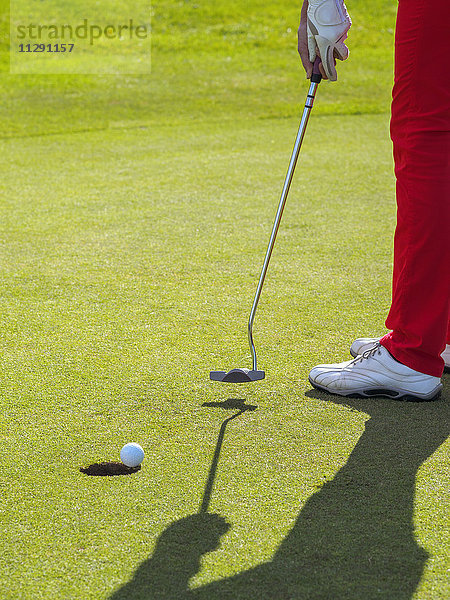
point(237, 375)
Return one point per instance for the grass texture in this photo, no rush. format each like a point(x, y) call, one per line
point(135, 214)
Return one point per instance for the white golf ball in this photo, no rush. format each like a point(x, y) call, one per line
point(132, 454)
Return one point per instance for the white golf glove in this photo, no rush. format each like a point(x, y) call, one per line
point(328, 23)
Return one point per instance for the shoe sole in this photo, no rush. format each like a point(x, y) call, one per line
point(446, 367)
point(383, 393)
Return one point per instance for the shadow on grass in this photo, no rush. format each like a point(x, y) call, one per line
point(353, 539)
point(230, 404)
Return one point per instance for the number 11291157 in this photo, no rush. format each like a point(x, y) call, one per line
point(46, 47)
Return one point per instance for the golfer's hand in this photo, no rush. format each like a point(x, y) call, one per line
point(303, 43)
point(323, 29)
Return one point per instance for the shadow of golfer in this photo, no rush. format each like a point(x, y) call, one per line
point(353, 539)
point(176, 559)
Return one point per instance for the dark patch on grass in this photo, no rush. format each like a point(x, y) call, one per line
point(176, 558)
point(109, 469)
point(232, 404)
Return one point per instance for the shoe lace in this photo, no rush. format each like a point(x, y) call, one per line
point(368, 353)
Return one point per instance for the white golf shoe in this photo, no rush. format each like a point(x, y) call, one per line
point(375, 373)
point(446, 356)
point(361, 345)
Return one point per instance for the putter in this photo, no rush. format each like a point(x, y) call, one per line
point(247, 375)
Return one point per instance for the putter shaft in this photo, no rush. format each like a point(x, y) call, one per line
point(287, 184)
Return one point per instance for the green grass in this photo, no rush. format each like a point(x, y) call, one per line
point(209, 62)
point(134, 217)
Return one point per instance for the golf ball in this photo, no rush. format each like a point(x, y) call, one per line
point(132, 454)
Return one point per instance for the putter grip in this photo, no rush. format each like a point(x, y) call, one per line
point(316, 76)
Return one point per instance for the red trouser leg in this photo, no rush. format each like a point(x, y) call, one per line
point(420, 131)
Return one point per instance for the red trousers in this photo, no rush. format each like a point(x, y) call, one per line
point(420, 130)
